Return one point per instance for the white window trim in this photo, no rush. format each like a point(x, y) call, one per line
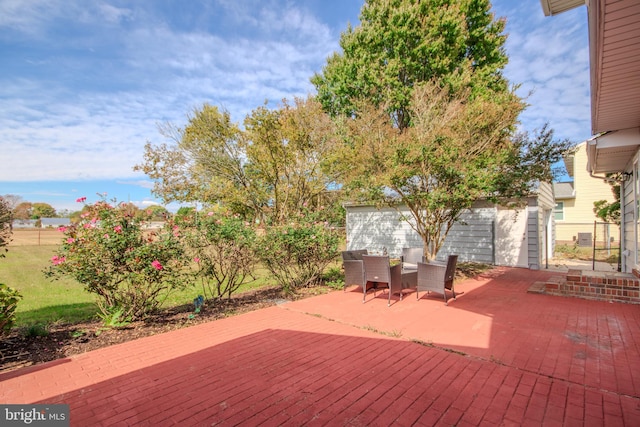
point(554, 211)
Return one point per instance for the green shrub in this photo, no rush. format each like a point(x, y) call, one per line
point(296, 254)
point(9, 298)
point(222, 246)
point(334, 278)
point(36, 330)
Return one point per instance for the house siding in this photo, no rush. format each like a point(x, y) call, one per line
point(473, 238)
point(533, 237)
point(578, 213)
point(379, 230)
point(386, 229)
point(628, 221)
point(540, 211)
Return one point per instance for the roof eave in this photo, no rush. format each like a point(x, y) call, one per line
point(554, 7)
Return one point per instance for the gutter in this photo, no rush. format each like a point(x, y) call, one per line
point(620, 179)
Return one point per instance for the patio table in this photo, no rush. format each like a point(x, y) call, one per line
point(409, 280)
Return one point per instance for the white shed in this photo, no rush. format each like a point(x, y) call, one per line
point(488, 233)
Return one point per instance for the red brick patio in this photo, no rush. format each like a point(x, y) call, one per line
point(495, 356)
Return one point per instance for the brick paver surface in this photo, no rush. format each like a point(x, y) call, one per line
point(495, 356)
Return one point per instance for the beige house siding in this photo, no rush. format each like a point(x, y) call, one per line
point(578, 212)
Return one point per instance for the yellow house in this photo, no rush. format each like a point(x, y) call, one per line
point(573, 213)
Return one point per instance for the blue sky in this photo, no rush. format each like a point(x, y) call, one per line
point(84, 84)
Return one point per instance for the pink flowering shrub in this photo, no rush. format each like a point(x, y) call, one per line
point(131, 270)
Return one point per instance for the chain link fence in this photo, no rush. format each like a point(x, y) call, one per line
point(597, 242)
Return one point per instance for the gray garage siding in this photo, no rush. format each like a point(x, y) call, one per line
point(472, 238)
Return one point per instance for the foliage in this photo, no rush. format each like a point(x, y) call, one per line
point(427, 116)
point(5, 225)
point(297, 253)
point(263, 173)
point(334, 278)
point(200, 159)
point(289, 157)
point(114, 317)
point(42, 210)
point(610, 211)
point(36, 330)
point(22, 210)
point(115, 258)
point(457, 151)
point(158, 213)
point(65, 300)
point(402, 43)
point(9, 299)
point(221, 245)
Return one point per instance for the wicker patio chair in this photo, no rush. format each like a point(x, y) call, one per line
point(410, 258)
point(353, 268)
point(437, 277)
point(378, 273)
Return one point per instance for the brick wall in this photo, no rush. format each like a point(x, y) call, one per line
point(618, 287)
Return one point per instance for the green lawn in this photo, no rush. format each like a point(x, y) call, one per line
point(46, 300)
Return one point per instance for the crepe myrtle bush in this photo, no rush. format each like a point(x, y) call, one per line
point(221, 245)
point(129, 268)
point(297, 253)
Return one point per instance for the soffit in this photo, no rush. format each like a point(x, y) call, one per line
point(554, 7)
point(564, 190)
point(569, 162)
point(614, 31)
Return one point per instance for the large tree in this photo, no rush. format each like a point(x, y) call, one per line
point(23, 210)
point(458, 151)
point(205, 149)
point(288, 156)
point(430, 118)
point(265, 172)
point(400, 43)
point(43, 210)
point(610, 211)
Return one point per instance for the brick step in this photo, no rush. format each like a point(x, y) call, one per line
point(537, 288)
point(591, 285)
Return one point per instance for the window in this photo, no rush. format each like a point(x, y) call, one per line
point(558, 211)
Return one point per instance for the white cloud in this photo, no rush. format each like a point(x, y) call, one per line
point(89, 98)
point(548, 57)
point(114, 14)
point(94, 124)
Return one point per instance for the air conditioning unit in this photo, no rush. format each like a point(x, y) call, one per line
point(584, 239)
